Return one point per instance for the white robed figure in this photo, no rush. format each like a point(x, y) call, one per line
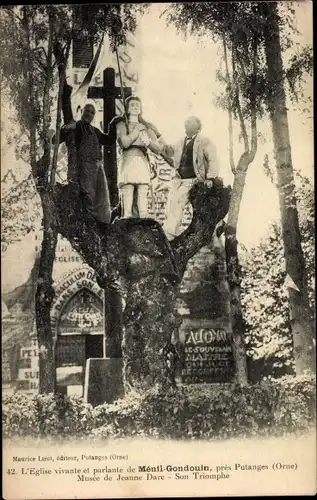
point(135, 136)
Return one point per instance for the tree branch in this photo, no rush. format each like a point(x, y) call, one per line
point(24, 158)
point(41, 49)
point(46, 104)
point(46, 55)
point(29, 78)
point(62, 78)
point(41, 66)
point(210, 206)
point(58, 128)
point(230, 125)
point(10, 11)
point(61, 53)
point(254, 133)
point(245, 76)
point(237, 97)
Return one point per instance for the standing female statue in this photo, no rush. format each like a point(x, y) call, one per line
point(134, 136)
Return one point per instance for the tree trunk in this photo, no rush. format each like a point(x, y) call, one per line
point(247, 157)
point(234, 275)
point(149, 316)
point(302, 328)
point(40, 171)
point(134, 256)
point(45, 294)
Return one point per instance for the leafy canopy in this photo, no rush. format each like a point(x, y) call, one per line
point(264, 295)
point(35, 43)
point(241, 25)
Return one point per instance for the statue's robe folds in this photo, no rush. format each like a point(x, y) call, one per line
point(85, 168)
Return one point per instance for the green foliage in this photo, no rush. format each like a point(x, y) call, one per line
point(190, 412)
point(35, 44)
point(20, 212)
point(116, 19)
point(44, 415)
point(300, 65)
point(24, 61)
point(264, 297)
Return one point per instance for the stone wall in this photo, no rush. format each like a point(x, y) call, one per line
point(204, 338)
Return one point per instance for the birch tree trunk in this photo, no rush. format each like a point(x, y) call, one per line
point(302, 327)
point(45, 294)
point(43, 171)
point(40, 170)
point(234, 275)
point(239, 172)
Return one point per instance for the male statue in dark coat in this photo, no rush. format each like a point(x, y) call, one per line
point(85, 166)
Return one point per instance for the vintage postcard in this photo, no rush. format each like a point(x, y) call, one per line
point(158, 257)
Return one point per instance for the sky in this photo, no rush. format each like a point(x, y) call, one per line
point(178, 79)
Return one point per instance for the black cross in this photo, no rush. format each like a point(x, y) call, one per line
point(109, 93)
